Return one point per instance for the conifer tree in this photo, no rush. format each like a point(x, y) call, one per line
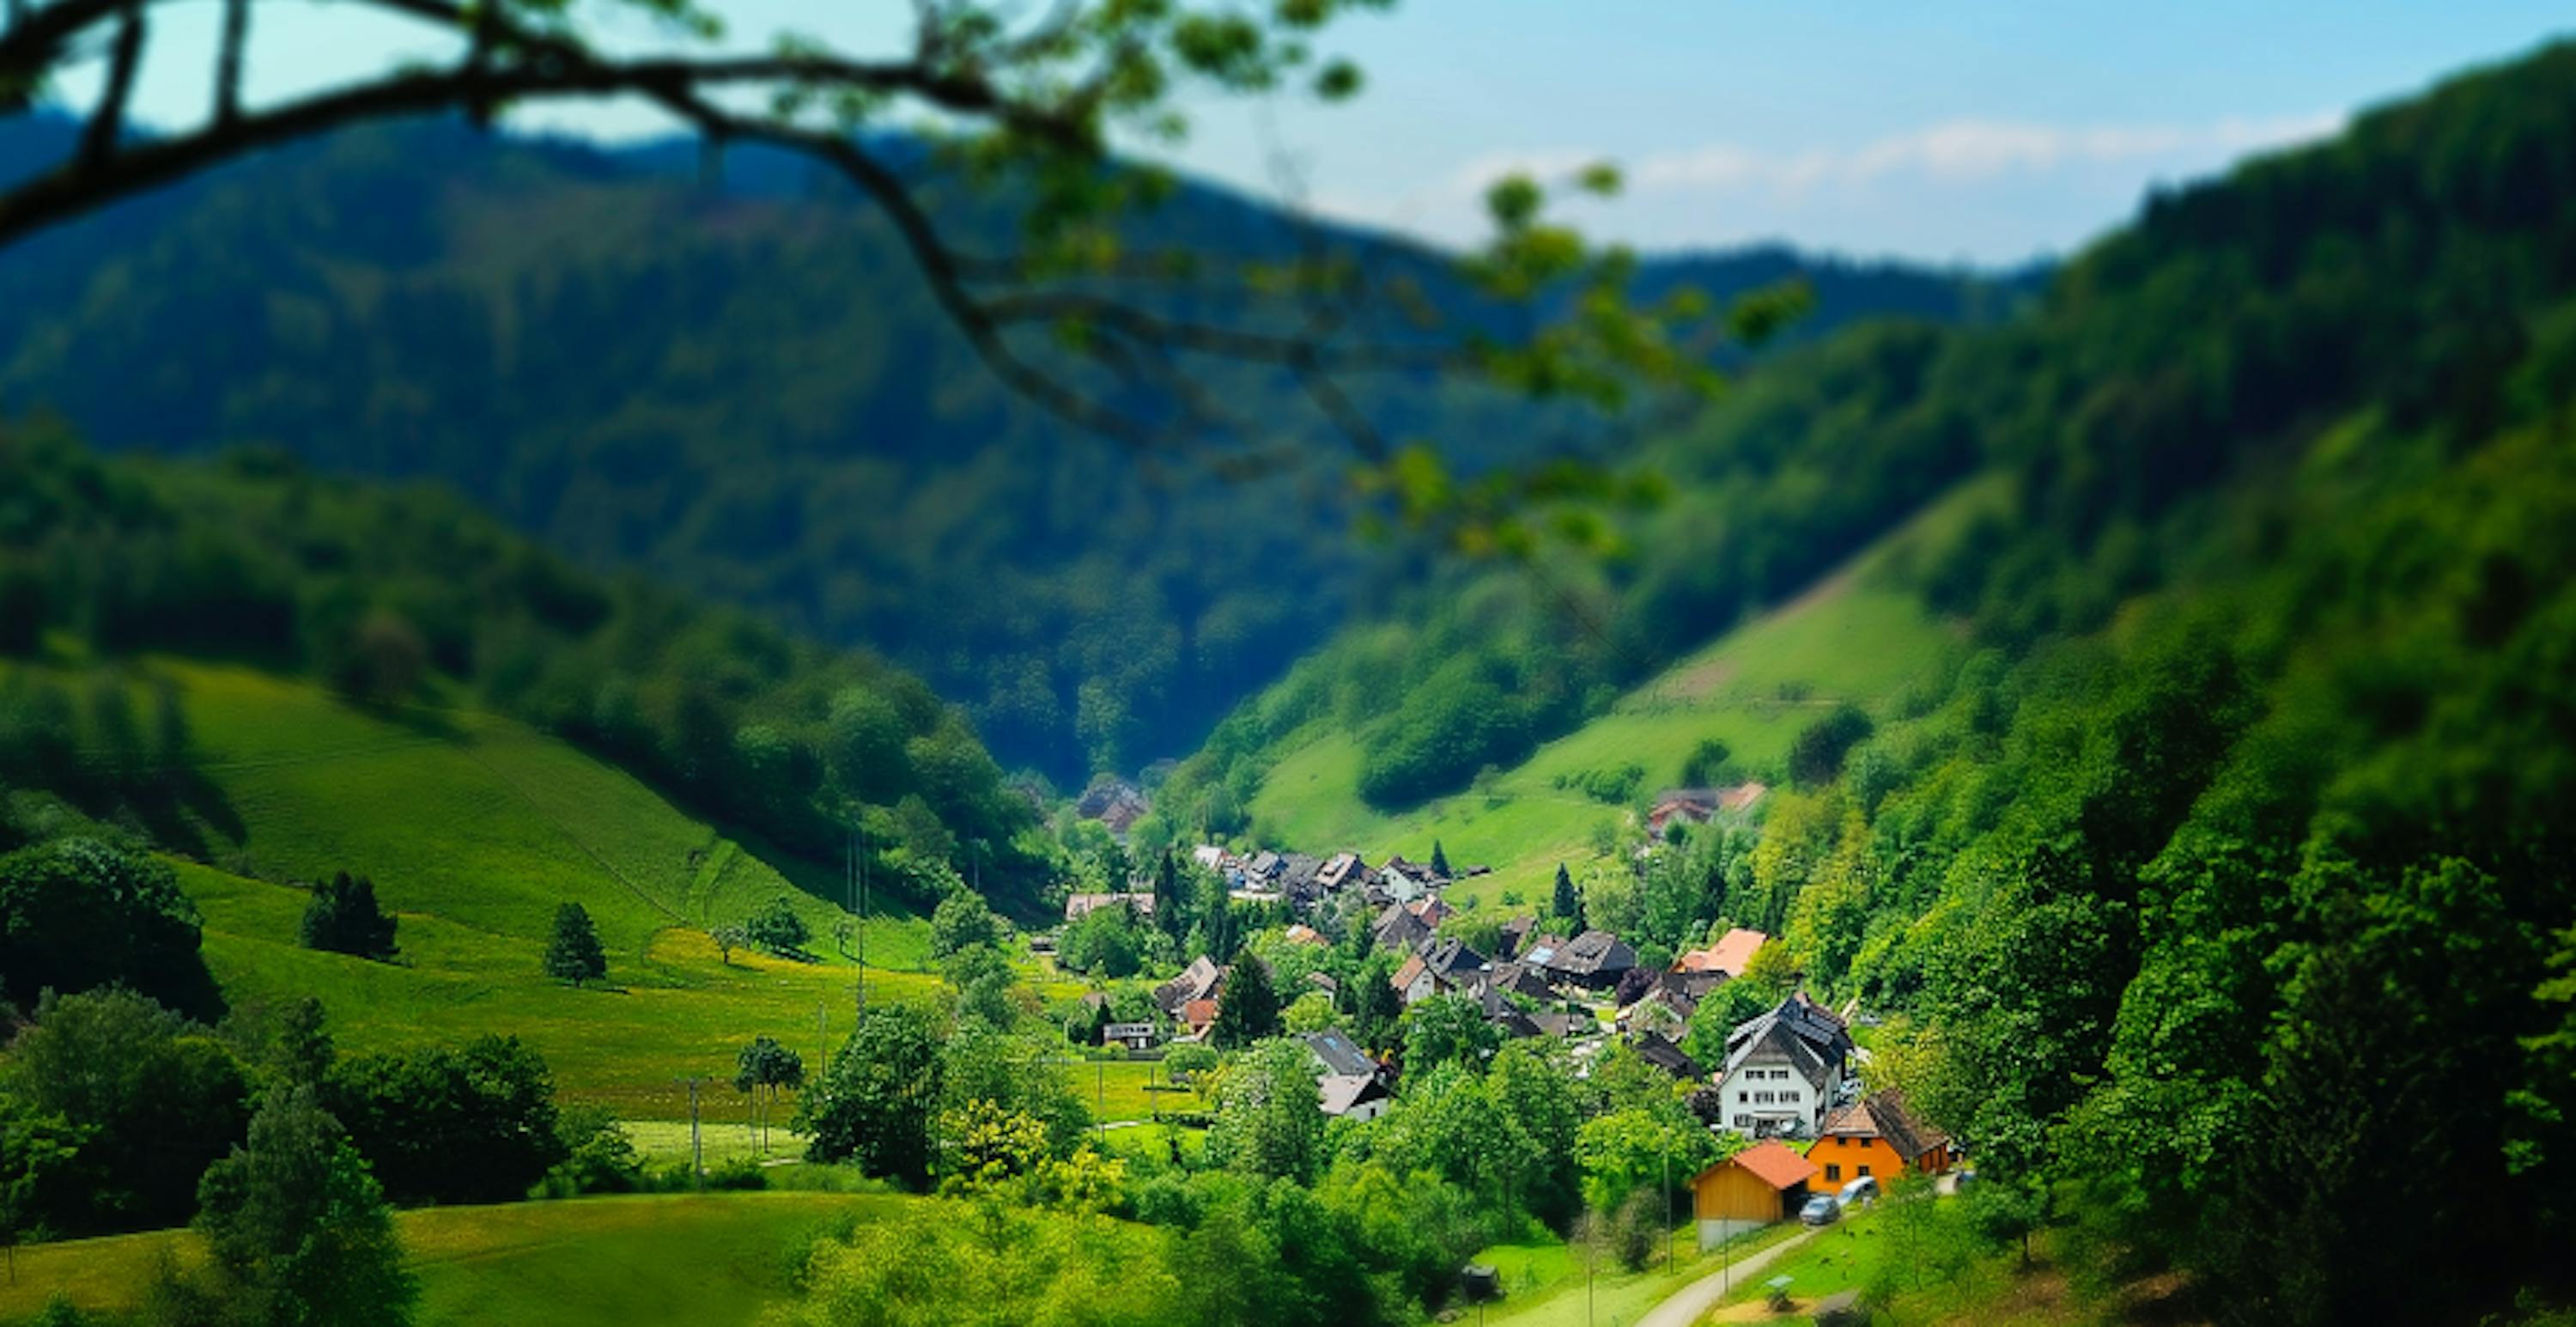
point(575, 954)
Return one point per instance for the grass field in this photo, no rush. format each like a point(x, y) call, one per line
point(1850, 638)
point(474, 829)
point(714, 1259)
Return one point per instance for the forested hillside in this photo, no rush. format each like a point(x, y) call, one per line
point(405, 600)
point(743, 388)
point(2222, 874)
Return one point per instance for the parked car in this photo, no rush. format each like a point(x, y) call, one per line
point(1821, 1210)
point(1860, 1192)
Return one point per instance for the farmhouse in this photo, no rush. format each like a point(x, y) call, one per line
point(1079, 906)
point(1878, 1136)
point(1439, 967)
point(1354, 1096)
point(1399, 928)
point(1759, 1186)
point(1341, 871)
point(1198, 981)
point(1783, 1070)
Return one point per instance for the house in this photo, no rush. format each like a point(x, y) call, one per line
point(1762, 1185)
point(1198, 981)
point(1301, 934)
point(1079, 906)
point(1518, 979)
point(1399, 928)
point(1698, 806)
point(1323, 981)
point(1784, 1069)
point(1212, 857)
point(1354, 1096)
point(1115, 803)
point(1197, 1017)
point(1665, 1008)
point(1262, 867)
point(1878, 1136)
point(1431, 910)
point(1516, 933)
point(1728, 956)
point(1406, 881)
point(1658, 1050)
point(1594, 960)
point(1134, 1036)
point(1341, 871)
point(1336, 1054)
point(1297, 873)
point(1440, 966)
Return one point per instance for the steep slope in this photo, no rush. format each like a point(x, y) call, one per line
point(747, 393)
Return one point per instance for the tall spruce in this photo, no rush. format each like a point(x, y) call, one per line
point(575, 954)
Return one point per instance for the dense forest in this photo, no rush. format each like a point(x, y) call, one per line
point(2225, 878)
point(741, 387)
point(404, 599)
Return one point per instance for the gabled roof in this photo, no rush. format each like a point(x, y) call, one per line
point(1430, 909)
point(1339, 869)
point(1592, 953)
point(1297, 870)
point(1343, 1093)
point(1338, 1054)
point(1517, 979)
point(1079, 906)
point(1404, 976)
point(1452, 959)
point(1196, 981)
point(1264, 864)
point(1515, 933)
point(1807, 1037)
point(1660, 1052)
point(1199, 1014)
point(1396, 928)
point(1301, 933)
point(1884, 1115)
point(1773, 1163)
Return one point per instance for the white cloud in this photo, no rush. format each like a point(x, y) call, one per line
point(1951, 152)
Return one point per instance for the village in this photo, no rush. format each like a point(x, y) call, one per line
point(1782, 1095)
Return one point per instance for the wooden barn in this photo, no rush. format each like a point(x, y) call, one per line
point(1761, 1185)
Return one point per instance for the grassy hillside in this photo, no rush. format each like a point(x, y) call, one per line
point(474, 828)
point(1856, 637)
point(715, 1259)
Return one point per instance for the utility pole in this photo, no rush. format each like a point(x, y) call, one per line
point(697, 1149)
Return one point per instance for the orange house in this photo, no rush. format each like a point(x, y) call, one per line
point(1877, 1137)
point(1762, 1184)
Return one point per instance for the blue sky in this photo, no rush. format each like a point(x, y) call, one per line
point(1956, 130)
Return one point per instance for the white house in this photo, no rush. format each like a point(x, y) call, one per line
point(1784, 1070)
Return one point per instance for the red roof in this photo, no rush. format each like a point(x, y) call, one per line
point(1199, 1013)
point(1729, 955)
point(1774, 1163)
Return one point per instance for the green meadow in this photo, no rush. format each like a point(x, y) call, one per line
point(711, 1259)
point(474, 828)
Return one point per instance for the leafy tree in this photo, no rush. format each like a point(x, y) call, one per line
point(575, 953)
point(1816, 753)
point(1447, 1029)
point(763, 1070)
point(469, 1124)
point(40, 1175)
point(1108, 942)
point(159, 1098)
point(961, 922)
point(1707, 763)
point(1193, 1066)
point(1376, 1009)
point(983, 981)
point(344, 918)
point(1247, 1010)
point(776, 927)
point(729, 938)
point(298, 1229)
point(1269, 1115)
point(873, 1104)
point(80, 913)
point(598, 1155)
point(1311, 1012)
point(983, 1145)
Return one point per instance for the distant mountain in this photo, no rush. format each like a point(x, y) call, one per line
point(743, 390)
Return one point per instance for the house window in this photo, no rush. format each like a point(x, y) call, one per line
point(1741, 1096)
point(1864, 1171)
point(1833, 1173)
point(1743, 1121)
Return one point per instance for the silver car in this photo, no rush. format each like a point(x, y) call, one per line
point(1821, 1210)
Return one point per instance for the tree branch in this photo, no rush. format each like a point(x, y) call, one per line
point(107, 123)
